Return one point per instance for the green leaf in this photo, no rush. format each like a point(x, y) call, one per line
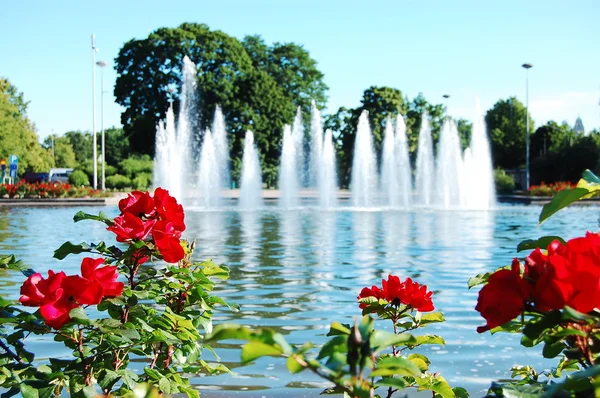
point(28, 391)
point(420, 360)
point(164, 385)
point(336, 344)
point(293, 365)
point(380, 339)
point(337, 329)
point(432, 317)
point(551, 350)
point(542, 243)
point(391, 382)
point(78, 314)
point(70, 248)
point(10, 262)
point(437, 384)
point(390, 366)
point(460, 392)
point(80, 216)
point(257, 349)
point(534, 328)
point(560, 200)
point(429, 339)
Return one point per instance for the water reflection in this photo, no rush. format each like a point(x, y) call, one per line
point(296, 271)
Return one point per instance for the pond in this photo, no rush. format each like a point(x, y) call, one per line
point(297, 271)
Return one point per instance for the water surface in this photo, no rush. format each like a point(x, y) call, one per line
point(298, 270)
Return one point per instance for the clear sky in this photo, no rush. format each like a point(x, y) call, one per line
point(462, 48)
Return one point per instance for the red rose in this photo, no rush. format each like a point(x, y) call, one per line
point(417, 296)
point(56, 313)
point(37, 291)
point(369, 292)
point(140, 204)
point(503, 298)
point(569, 274)
point(106, 276)
point(166, 239)
point(128, 227)
point(168, 209)
point(81, 291)
point(396, 293)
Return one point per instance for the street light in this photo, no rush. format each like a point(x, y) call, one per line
point(527, 67)
point(102, 64)
point(94, 143)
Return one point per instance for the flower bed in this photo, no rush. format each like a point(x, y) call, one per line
point(51, 190)
point(550, 189)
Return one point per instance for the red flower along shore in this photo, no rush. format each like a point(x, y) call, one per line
point(398, 293)
point(563, 275)
point(158, 220)
point(160, 216)
point(59, 294)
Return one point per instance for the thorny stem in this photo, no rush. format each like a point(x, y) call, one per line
point(86, 367)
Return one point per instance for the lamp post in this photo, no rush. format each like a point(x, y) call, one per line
point(102, 64)
point(527, 67)
point(94, 143)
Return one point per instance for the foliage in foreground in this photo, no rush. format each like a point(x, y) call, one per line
point(553, 299)
point(161, 313)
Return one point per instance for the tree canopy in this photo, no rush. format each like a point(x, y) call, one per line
point(257, 86)
point(506, 124)
point(17, 132)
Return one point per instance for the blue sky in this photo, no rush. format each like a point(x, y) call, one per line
point(463, 48)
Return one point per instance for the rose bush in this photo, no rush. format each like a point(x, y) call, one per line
point(552, 297)
point(359, 360)
point(159, 314)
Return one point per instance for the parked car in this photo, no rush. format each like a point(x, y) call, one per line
point(32, 177)
point(59, 175)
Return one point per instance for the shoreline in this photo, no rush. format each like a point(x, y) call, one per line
point(267, 194)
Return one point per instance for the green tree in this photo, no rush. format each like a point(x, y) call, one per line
point(17, 133)
point(506, 124)
point(64, 155)
point(82, 145)
point(416, 108)
point(465, 128)
point(380, 103)
point(230, 74)
point(116, 145)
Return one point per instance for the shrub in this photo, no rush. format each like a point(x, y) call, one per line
point(118, 181)
point(135, 165)
point(142, 181)
point(505, 183)
point(79, 178)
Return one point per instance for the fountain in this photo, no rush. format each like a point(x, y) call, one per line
point(209, 177)
point(390, 189)
point(298, 134)
point(174, 143)
point(480, 192)
point(403, 163)
point(251, 181)
point(219, 136)
point(455, 180)
point(425, 165)
point(316, 145)
point(364, 165)
point(288, 170)
point(449, 176)
point(327, 176)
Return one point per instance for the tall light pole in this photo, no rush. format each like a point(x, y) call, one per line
point(94, 143)
point(527, 67)
point(102, 64)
